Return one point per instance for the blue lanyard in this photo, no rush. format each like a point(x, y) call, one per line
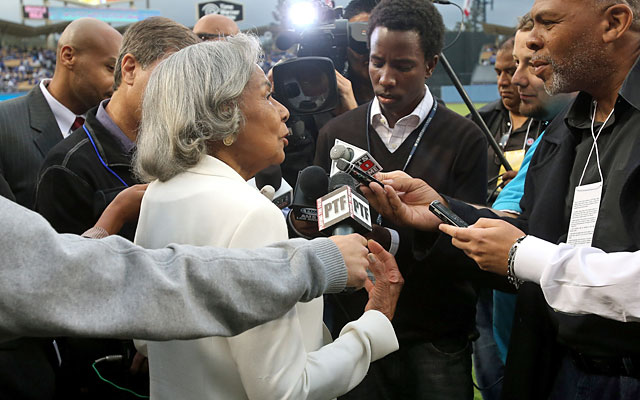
point(100, 157)
point(415, 144)
point(418, 139)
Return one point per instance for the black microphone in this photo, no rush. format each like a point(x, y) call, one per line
point(343, 211)
point(312, 183)
point(272, 176)
point(356, 173)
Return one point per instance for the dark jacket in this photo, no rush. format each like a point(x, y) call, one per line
point(541, 335)
point(74, 187)
point(28, 130)
point(496, 116)
point(434, 303)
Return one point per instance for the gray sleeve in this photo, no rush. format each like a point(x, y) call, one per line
point(66, 285)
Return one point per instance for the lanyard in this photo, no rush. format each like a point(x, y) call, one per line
point(100, 158)
point(426, 124)
point(418, 139)
point(524, 144)
point(595, 143)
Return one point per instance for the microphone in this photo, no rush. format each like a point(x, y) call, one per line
point(362, 177)
point(268, 191)
point(340, 151)
point(343, 211)
point(272, 176)
point(287, 39)
point(357, 156)
point(312, 183)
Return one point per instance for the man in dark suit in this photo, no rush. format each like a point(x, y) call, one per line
point(29, 126)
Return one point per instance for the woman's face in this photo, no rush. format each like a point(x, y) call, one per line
point(260, 143)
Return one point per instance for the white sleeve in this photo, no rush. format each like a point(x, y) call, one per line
point(272, 360)
point(582, 280)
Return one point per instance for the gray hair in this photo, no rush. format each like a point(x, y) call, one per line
point(192, 99)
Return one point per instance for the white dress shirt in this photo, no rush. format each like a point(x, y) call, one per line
point(582, 280)
point(394, 137)
point(286, 358)
point(64, 116)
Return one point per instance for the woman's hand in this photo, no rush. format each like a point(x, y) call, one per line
point(384, 293)
point(124, 208)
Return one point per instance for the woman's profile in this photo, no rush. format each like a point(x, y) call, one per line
point(209, 123)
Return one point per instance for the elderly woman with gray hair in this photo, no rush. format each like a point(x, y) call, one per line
point(209, 123)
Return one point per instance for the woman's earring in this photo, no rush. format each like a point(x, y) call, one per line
point(228, 140)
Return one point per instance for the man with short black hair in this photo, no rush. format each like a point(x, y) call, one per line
point(509, 126)
point(582, 189)
point(403, 127)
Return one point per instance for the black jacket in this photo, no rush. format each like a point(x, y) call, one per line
point(74, 187)
point(434, 303)
point(28, 130)
point(541, 335)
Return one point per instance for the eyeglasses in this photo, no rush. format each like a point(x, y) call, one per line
point(212, 36)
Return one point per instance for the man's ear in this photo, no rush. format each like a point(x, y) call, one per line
point(618, 20)
point(128, 68)
point(67, 56)
point(431, 66)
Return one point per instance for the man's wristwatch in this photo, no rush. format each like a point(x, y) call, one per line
point(511, 276)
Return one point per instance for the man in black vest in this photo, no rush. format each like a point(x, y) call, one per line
point(405, 127)
point(569, 197)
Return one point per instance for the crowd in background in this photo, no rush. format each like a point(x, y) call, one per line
point(21, 69)
point(510, 289)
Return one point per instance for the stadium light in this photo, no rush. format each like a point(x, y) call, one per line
point(303, 14)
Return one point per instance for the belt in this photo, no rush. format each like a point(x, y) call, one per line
point(610, 366)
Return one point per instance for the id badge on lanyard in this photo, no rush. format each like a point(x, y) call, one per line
point(584, 214)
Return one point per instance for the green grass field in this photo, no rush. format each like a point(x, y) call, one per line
point(461, 108)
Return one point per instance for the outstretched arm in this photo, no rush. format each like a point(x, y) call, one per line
point(65, 285)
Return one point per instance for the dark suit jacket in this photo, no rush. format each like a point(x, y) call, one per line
point(28, 130)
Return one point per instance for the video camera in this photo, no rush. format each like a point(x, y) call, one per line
point(306, 85)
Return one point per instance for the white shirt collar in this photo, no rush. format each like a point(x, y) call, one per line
point(421, 111)
point(64, 116)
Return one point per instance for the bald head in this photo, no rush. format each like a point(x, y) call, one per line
point(87, 52)
point(215, 26)
point(88, 33)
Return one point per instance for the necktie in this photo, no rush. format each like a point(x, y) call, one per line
point(77, 123)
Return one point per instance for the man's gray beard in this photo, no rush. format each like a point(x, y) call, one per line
point(586, 66)
point(559, 81)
